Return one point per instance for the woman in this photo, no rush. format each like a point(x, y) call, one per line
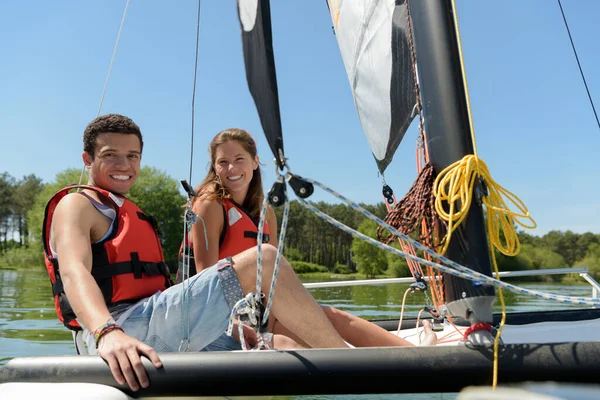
point(228, 206)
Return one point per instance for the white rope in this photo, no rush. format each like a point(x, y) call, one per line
point(112, 59)
point(250, 306)
point(450, 266)
point(189, 219)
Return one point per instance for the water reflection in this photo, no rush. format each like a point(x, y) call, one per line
point(28, 323)
point(29, 327)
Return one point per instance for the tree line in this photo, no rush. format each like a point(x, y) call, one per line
point(16, 199)
point(311, 239)
point(308, 238)
point(155, 192)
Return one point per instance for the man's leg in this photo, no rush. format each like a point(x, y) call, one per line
point(292, 305)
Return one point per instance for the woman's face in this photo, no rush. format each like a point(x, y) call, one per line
point(235, 167)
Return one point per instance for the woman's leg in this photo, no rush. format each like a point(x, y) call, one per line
point(359, 332)
point(293, 305)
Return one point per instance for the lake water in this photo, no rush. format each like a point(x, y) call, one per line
point(29, 327)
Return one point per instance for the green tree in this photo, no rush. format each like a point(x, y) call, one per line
point(530, 258)
point(522, 261)
point(24, 196)
point(547, 259)
point(7, 189)
point(370, 260)
point(35, 217)
point(157, 194)
point(591, 260)
point(397, 265)
point(584, 242)
point(563, 243)
point(526, 238)
point(154, 192)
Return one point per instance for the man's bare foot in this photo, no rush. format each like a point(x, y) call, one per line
point(430, 338)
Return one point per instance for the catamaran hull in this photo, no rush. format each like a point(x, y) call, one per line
point(447, 368)
point(332, 371)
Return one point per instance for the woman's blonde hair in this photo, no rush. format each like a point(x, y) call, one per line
point(212, 188)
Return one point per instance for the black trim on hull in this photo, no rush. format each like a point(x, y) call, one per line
point(513, 318)
point(335, 371)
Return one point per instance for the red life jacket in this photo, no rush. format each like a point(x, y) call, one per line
point(128, 265)
point(239, 233)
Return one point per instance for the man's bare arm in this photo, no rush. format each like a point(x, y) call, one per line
point(76, 225)
point(74, 221)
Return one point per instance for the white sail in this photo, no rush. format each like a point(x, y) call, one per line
point(373, 38)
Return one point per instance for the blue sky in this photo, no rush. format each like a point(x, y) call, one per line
point(533, 123)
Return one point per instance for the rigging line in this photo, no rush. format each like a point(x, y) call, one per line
point(464, 75)
point(449, 266)
point(578, 63)
point(185, 318)
point(112, 59)
point(194, 89)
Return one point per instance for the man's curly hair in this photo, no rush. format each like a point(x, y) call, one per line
point(109, 123)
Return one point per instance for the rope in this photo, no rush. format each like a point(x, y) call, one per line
point(425, 217)
point(450, 267)
point(456, 183)
point(194, 89)
point(415, 207)
point(417, 326)
point(402, 311)
point(250, 306)
point(284, 221)
point(190, 218)
point(414, 267)
point(245, 310)
point(112, 59)
point(502, 322)
point(579, 64)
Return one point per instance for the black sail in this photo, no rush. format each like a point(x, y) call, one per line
point(255, 23)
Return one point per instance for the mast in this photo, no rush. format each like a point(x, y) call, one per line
point(449, 140)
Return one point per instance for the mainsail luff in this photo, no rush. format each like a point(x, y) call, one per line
point(375, 33)
point(449, 140)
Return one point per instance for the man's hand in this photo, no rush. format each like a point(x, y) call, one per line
point(250, 336)
point(122, 353)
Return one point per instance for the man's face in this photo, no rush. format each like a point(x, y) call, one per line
point(116, 162)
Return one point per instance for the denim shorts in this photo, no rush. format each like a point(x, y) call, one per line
point(160, 320)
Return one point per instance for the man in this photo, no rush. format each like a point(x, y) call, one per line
point(103, 255)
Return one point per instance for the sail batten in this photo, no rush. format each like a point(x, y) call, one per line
point(373, 38)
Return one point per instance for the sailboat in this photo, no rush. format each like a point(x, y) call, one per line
point(556, 346)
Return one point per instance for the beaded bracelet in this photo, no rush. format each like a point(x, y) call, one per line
point(104, 329)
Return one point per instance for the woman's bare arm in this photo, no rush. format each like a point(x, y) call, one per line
point(272, 221)
point(206, 247)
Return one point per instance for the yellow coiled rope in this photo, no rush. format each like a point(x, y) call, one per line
point(454, 188)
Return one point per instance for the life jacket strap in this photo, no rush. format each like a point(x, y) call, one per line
point(254, 235)
point(134, 266)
